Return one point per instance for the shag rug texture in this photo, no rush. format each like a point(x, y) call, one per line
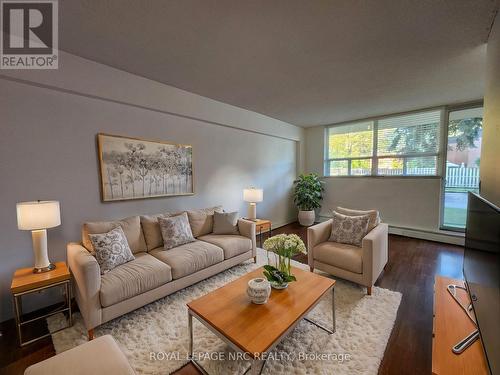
point(154, 338)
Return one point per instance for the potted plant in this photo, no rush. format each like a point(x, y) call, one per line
point(282, 248)
point(307, 196)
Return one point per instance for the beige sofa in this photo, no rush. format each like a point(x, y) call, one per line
point(361, 265)
point(155, 272)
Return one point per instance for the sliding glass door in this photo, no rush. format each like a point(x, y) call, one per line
point(463, 160)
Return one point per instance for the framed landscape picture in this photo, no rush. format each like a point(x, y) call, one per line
point(134, 168)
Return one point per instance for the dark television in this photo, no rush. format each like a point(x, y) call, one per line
point(482, 273)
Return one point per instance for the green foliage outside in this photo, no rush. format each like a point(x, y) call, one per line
point(465, 132)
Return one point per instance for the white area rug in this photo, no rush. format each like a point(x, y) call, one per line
point(155, 338)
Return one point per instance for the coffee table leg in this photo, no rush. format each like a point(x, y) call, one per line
point(333, 309)
point(190, 328)
point(256, 366)
point(319, 325)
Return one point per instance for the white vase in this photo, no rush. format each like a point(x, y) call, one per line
point(259, 290)
point(306, 218)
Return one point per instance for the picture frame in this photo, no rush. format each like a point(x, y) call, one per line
point(136, 168)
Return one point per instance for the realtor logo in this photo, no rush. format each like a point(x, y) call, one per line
point(29, 34)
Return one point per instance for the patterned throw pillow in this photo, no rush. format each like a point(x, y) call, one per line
point(349, 229)
point(111, 249)
point(175, 231)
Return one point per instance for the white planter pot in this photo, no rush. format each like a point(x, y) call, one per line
point(259, 290)
point(306, 218)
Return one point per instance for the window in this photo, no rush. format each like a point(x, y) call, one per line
point(404, 145)
point(463, 153)
point(350, 148)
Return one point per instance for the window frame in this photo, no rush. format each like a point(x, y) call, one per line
point(375, 158)
point(444, 146)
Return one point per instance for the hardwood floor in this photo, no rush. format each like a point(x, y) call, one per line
point(411, 269)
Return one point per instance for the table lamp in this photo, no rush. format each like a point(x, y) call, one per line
point(252, 196)
point(37, 216)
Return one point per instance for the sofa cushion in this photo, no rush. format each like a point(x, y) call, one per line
point(143, 273)
point(226, 223)
point(231, 244)
point(347, 257)
point(202, 220)
point(131, 227)
point(189, 258)
point(111, 249)
point(374, 215)
point(151, 229)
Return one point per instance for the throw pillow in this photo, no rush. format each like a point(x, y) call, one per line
point(111, 249)
point(226, 222)
point(175, 231)
point(202, 220)
point(374, 215)
point(131, 227)
point(152, 231)
point(349, 229)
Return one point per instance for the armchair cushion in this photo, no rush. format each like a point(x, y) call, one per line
point(349, 229)
point(374, 215)
point(340, 255)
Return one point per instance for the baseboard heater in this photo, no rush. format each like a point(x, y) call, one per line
point(453, 238)
point(438, 236)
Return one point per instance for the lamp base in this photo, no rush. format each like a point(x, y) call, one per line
point(252, 211)
point(50, 267)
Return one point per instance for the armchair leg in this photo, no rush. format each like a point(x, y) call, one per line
point(369, 290)
point(255, 259)
point(311, 268)
point(90, 334)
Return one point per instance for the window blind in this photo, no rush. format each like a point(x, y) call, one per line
point(402, 145)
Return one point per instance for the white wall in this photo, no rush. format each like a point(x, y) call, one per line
point(403, 202)
point(490, 151)
point(48, 151)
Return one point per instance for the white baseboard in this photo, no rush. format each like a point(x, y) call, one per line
point(438, 236)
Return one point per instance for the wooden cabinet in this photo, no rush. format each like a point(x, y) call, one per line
point(450, 325)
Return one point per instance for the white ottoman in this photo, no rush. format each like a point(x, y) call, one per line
point(99, 356)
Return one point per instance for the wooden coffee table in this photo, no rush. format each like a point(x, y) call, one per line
point(256, 329)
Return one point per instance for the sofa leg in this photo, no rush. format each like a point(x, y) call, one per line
point(311, 268)
point(369, 290)
point(255, 259)
point(90, 333)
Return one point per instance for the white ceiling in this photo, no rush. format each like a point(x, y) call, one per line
point(306, 62)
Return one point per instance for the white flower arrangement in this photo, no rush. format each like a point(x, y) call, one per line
point(284, 246)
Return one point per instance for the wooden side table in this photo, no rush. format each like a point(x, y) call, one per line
point(25, 282)
point(262, 226)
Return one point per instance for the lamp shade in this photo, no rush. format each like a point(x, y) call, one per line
point(253, 195)
point(38, 215)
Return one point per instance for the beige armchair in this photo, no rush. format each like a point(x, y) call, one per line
point(361, 265)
